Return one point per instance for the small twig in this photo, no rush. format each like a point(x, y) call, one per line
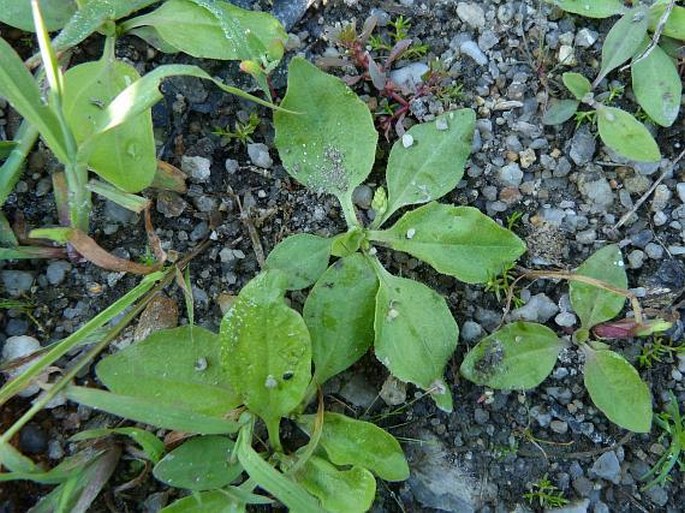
point(647, 194)
point(655, 37)
point(251, 229)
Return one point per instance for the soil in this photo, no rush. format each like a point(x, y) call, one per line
point(566, 190)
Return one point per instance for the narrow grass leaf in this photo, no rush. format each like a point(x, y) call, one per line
point(151, 445)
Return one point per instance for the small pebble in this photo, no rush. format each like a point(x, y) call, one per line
point(654, 251)
point(471, 14)
point(259, 155)
point(471, 49)
point(231, 166)
point(32, 439)
point(362, 196)
point(198, 168)
point(558, 426)
point(636, 258)
point(17, 283)
point(56, 271)
point(565, 319)
point(472, 331)
point(680, 189)
point(660, 218)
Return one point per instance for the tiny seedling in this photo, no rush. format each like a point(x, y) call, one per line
point(656, 349)
point(242, 131)
point(545, 494)
point(671, 422)
point(656, 82)
point(521, 355)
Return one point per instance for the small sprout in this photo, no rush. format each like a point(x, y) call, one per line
point(270, 382)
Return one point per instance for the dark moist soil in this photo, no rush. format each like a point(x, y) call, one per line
point(490, 451)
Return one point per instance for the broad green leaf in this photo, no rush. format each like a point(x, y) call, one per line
point(560, 111)
point(290, 493)
point(517, 357)
point(339, 313)
point(144, 93)
point(675, 25)
point(17, 13)
point(354, 442)
point(657, 86)
point(151, 445)
point(347, 243)
point(459, 241)
point(151, 36)
point(625, 135)
point(591, 8)
point(577, 84)
point(616, 388)
point(212, 30)
point(303, 258)
point(328, 141)
point(201, 463)
point(623, 40)
point(84, 22)
point(594, 304)
point(19, 88)
point(433, 164)
point(340, 491)
point(124, 156)
point(415, 333)
point(180, 366)
point(149, 411)
point(266, 349)
point(213, 501)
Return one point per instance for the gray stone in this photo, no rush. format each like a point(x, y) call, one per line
point(585, 38)
point(660, 218)
point(574, 507)
point(662, 195)
point(511, 175)
point(654, 251)
point(470, 331)
point(658, 495)
point(198, 168)
point(362, 196)
point(586, 236)
point(289, 12)
point(231, 166)
point(471, 49)
point(636, 258)
point(118, 214)
point(583, 146)
point(472, 14)
point(597, 191)
point(437, 479)
point(17, 347)
point(259, 155)
point(56, 271)
point(565, 319)
point(481, 416)
point(680, 189)
point(15, 327)
point(393, 392)
point(16, 283)
point(487, 40)
point(583, 486)
point(559, 426)
point(607, 467)
point(408, 77)
point(357, 390)
point(539, 308)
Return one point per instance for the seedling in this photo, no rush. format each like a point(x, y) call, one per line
point(656, 82)
point(400, 32)
point(242, 131)
point(521, 355)
point(671, 422)
point(545, 494)
point(656, 349)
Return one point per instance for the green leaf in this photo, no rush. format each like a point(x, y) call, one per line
point(657, 86)
point(266, 349)
point(347, 243)
point(593, 304)
point(303, 258)
point(433, 164)
point(625, 135)
point(675, 25)
point(354, 442)
point(214, 501)
point(124, 156)
point(591, 8)
point(559, 111)
point(19, 88)
point(201, 463)
point(212, 30)
point(339, 313)
point(17, 13)
point(151, 445)
point(6, 148)
point(517, 357)
point(459, 241)
point(577, 84)
point(340, 491)
point(149, 411)
point(283, 488)
point(623, 40)
point(180, 366)
point(84, 22)
point(328, 142)
point(415, 332)
point(616, 388)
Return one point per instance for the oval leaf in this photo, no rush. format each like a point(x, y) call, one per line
point(623, 40)
point(201, 463)
point(433, 164)
point(302, 258)
point(675, 24)
point(17, 13)
point(459, 241)
point(178, 367)
point(594, 304)
point(212, 30)
point(266, 349)
point(339, 313)
point(517, 357)
point(328, 141)
point(415, 332)
point(354, 442)
point(340, 491)
point(657, 86)
point(124, 156)
point(560, 111)
point(592, 8)
point(625, 135)
point(214, 501)
point(577, 84)
point(616, 388)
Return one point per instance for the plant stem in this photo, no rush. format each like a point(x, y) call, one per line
point(348, 210)
point(273, 427)
point(11, 170)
